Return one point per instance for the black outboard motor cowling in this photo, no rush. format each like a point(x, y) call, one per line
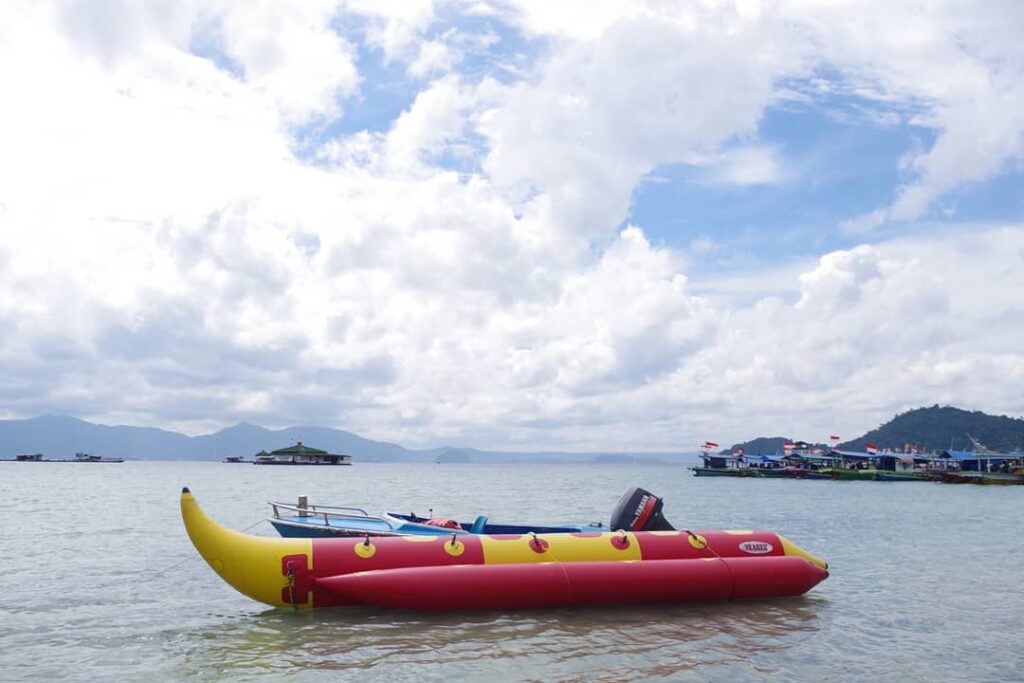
point(639, 510)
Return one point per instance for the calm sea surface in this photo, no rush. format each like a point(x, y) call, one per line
point(100, 582)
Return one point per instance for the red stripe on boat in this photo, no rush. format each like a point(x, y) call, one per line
point(645, 513)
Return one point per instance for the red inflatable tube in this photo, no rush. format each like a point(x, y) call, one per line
point(577, 583)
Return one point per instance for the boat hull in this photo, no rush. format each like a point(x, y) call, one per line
point(847, 474)
point(755, 472)
point(1002, 480)
point(503, 571)
point(901, 476)
point(723, 472)
point(773, 472)
point(984, 478)
point(812, 474)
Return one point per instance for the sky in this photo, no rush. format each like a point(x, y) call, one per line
point(521, 225)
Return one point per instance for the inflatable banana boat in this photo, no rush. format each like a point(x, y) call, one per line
point(507, 571)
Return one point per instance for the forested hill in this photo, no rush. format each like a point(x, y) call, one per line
point(931, 429)
point(763, 445)
point(938, 428)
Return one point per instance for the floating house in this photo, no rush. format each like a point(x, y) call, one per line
point(974, 461)
point(300, 454)
point(885, 461)
point(721, 466)
point(29, 457)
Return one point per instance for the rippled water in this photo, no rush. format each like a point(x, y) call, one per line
point(100, 582)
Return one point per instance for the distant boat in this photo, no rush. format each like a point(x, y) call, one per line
point(79, 457)
point(234, 459)
point(89, 457)
point(986, 478)
point(851, 473)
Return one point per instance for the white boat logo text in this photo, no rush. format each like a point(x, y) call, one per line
point(756, 547)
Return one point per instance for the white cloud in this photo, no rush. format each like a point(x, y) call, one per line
point(839, 280)
point(435, 56)
point(605, 112)
point(751, 165)
point(957, 67)
point(876, 330)
point(703, 246)
point(635, 85)
point(572, 19)
point(167, 258)
point(434, 124)
point(396, 25)
point(290, 54)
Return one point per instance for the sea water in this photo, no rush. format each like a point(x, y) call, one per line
point(100, 582)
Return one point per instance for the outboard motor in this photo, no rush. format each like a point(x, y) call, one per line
point(639, 510)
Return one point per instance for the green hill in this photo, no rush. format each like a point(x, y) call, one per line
point(764, 445)
point(938, 428)
point(931, 429)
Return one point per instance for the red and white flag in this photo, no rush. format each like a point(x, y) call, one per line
point(834, 437)
point(708, 445)
point(871, 448)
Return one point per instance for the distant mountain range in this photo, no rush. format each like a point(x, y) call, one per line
point(59, 437)
point(56, 437)
point(931, 429)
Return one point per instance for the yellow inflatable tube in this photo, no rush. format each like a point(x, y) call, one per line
point(253, 565)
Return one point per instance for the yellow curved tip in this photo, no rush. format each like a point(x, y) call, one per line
point(252, 565)
point(793, 550)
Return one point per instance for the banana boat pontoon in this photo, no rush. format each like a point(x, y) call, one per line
point(645, 561)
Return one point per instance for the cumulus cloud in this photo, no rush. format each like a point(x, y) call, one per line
point(395, 25)
point(604, 112)
point(290, 54)
point(637, 85)
point(435, 56)
point(875, 330)
point(952, 69)
point(435, 123)
point(170, 255)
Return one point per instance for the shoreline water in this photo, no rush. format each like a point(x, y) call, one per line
point(112, 588)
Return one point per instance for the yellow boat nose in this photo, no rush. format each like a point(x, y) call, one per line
point(793, 550)
point(250, 564)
